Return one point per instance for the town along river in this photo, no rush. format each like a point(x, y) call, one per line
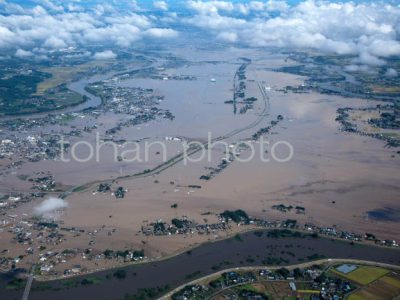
point(251, 248)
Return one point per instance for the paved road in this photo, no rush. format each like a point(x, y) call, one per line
point(330, 262)
point(28, 286)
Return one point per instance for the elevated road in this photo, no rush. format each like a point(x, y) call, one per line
point(28, 285)
point(178, 158)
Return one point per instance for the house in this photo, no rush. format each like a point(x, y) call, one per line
point(76, 269)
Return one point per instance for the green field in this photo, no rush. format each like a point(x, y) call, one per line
point(18, 95)
point(308, 291)
point(355, 297)
point(364, 274)
point(387, 287)
point(392, 281)
point(41, 89)
point(62, 75)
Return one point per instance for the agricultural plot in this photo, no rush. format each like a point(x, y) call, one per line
point(256, 287)
point(66, 74)
point(278, 290)
point(363, 275)
point(387, 287)
point(272, 290)
point(305, 290)
point(19, 94)
point(305, 293)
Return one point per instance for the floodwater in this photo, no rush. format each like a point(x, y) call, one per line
point(389, 214)
point(338, 177)
point(198, 107)
point(250, 250)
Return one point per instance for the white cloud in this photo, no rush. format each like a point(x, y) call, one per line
point(10, 8)
point(74, 7)
point(391, 73)
point(261, 7)
point(161, 33)
point(368, 59)
point(216, 22)
point(357, 68)
point(368, 30)
point(161, 5)
point(227, 36)
point(134, 19)
point(135, 6)
point(54, 43)
point(276, 5)
point(6, 36)
point(210, 6)
point(108, 54)
point(384, 48)
point(207, 7)
point(49, 206)
point(52, 26)
point(20, 53)
point(50, 5)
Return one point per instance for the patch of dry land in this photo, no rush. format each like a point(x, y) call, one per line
point(337, 177)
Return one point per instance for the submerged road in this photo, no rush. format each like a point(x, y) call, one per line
point(178, 158)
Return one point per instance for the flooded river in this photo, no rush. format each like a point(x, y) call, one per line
point(249, 249)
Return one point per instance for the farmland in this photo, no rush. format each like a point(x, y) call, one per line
point(326, 280)
point(387, 287)
point(364, 275)
point(27, 88)
point(64, 74)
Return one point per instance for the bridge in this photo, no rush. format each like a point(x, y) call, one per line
point(28, 286)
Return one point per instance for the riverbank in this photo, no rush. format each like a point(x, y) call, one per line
point(248, 249)
point(327, 262)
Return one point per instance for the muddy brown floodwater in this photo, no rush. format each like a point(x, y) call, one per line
point(339, 178)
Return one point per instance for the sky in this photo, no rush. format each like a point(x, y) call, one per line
point(367, 30)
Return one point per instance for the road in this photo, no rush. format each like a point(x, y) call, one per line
point(28, 286)
point(330, 263)
point(178, 158)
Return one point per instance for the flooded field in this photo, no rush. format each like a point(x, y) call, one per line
point(339, 178)
point(146, 143)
